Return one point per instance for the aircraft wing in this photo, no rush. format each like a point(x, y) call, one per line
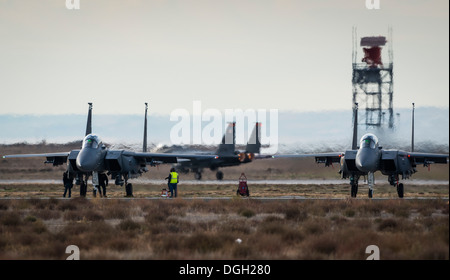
point(54, 158)
point(65, 154)
point(337, 155)
point(426, 158)
point(327, 158)
point(48, 155)
point(171, 158)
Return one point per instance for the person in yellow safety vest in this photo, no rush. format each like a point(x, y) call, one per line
point(173, 180)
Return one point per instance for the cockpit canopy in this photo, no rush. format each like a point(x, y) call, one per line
point(369, 141)
point(91, 141)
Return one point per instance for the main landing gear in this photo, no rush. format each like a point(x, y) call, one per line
point(400, 190)
point(354, 184)
point(219, 175)
point(198, 175)
point(129, 190)
point(128, 186)
point(393, 180)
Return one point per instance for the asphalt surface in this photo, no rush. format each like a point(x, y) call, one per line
point(230, 182)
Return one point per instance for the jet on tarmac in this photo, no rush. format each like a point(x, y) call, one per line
point(227, 155)
point(369, 157)
point(94, 158)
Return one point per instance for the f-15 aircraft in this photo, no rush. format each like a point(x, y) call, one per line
point(94, 158)
point(227, 155)
point(369, 157)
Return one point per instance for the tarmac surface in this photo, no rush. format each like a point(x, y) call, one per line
point(225, 183)
point(208, 198)
point(229, 182)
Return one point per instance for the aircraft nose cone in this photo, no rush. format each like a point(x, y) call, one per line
point(366, 161)
point(85, 162)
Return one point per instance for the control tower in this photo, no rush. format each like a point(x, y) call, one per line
point(373, 80)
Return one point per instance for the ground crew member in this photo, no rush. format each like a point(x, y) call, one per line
point(173, 180)
point(68, 183)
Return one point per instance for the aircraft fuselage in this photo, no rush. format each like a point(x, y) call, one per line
point(368, 155)
point(91, 157)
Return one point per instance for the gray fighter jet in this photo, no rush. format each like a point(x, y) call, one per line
point(227, 155)
point(94, 158)
point(369, 157)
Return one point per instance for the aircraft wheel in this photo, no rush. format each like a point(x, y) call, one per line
point(198, 176)
point(354, 190)
point(370, 193)
point(400, 190)
point(83, 189)
point(219, 175)
point(129, 190)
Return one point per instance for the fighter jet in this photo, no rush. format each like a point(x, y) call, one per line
point(369, 157)
point(227, 155)
point(94, 158)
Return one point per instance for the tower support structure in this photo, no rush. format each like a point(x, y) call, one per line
point(372, 82)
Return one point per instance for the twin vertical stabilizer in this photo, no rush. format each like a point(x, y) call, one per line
point(254, 143)
point(227, 145)
point(89, 120)
point(355, 127)
point(144, 145)
point(412, 131)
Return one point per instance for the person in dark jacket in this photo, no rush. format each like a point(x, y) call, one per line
point(68, 183)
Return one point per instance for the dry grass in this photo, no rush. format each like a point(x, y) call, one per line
point(198, 229)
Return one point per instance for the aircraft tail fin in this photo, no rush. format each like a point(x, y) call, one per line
point(144, 143)
point(227, 146)
point(254, 143)
point(89, 120)
point(412, 130)
point(355, 127)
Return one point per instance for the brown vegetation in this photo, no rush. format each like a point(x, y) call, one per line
point(183, 228)
point(198, 229)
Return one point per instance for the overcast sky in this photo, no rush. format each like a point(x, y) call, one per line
point(259, 54)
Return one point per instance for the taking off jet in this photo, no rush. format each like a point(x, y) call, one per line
point(95, 158)
point(369, 157)
point(227, 155)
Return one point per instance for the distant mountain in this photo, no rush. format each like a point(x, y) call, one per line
point(297, 131)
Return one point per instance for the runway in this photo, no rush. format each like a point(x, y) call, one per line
point(209, 198)
point(230, 182)
point(210, 190)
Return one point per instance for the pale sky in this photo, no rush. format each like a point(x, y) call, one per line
point(259, 54)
